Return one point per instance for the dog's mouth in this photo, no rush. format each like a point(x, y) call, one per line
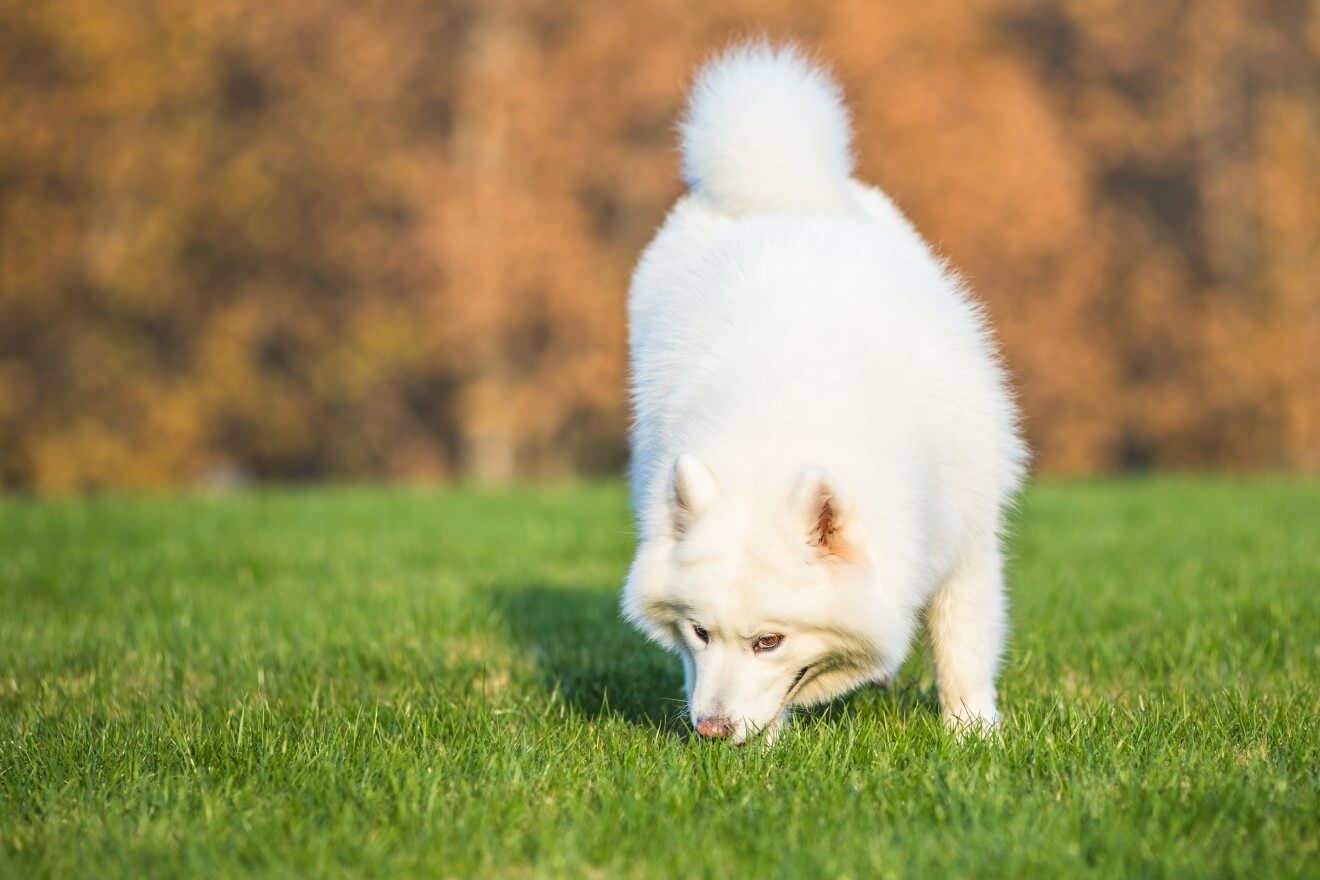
point(797, 679)
point(795, 687)
point(805, 676)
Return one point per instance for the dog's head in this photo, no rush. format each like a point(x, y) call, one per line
point(766, 601)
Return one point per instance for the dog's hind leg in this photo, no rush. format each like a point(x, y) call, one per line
point(967, 621)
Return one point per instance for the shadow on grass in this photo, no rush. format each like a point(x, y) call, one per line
point(583, 649)
point(586, 652)
point(905, 699)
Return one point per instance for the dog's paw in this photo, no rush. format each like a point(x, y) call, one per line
point(967, 723)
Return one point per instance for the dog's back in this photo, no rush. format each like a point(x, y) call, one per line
point(786, 312)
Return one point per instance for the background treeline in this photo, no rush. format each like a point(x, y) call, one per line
point(346, 239)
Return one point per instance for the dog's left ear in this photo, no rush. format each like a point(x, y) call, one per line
point(823, 515)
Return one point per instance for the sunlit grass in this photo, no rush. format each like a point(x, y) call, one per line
point(386, 683)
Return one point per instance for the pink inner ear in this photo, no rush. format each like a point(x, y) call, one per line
point(829, 533)
point(825, 533)
point(824, 517)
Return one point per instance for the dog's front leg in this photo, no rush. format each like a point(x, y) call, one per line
point(968, 623)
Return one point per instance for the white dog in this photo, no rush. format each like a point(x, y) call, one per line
point(825, 442)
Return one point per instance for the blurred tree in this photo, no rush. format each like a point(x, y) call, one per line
point(392, 240)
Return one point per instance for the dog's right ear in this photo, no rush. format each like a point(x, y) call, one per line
point(693, 491)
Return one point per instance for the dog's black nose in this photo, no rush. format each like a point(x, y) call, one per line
point(714, 728)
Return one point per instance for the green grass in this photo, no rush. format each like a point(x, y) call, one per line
point(389, 683)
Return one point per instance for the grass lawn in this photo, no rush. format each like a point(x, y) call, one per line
point(387, 683)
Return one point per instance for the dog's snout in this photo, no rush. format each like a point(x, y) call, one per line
point(714, 728)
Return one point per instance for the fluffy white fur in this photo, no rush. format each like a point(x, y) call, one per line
point(824, 440)
point(765, 131)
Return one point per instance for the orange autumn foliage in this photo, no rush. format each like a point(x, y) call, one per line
point(392, 240)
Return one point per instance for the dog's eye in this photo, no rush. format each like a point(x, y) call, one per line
point(701, 633)
point(767, 643)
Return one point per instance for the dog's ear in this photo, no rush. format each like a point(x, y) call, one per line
point(824, 515)
point(693, 491)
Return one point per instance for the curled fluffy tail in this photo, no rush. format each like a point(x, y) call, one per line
point(766, 130)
